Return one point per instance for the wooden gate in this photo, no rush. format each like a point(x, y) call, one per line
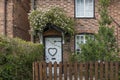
point(76, 71)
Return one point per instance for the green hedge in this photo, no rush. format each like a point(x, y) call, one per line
point(16, 57)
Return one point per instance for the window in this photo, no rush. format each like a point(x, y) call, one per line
point(84, 8)
point(81, 39)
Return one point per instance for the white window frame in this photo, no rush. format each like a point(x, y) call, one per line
point(84, 16)
point(78, 42)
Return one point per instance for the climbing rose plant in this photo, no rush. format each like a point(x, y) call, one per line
point(55, 16)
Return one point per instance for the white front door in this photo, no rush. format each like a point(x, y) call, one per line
point(53, 49)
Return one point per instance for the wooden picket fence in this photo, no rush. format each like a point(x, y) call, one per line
point(76, 71)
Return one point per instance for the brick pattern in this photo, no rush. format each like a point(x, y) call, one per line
point(68, 6)
point(21, 24)
point(1, 17)
point(82, 25)
point(114, 11)
point(9, 17)
point(17, 23)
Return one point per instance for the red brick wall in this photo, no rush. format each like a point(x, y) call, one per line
point(9, 17)
point(82, 25)
point(17, 24)
point(114, 11)
point(21, 24)
point(1, 16)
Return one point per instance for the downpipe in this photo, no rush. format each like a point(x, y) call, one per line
point(5, 17)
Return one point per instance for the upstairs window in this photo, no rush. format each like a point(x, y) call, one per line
point(84, 8)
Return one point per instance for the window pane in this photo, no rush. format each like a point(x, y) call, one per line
point(89, 8)
point(84, 8)
point(81, 39)
point(77, 42)
point(79, 8)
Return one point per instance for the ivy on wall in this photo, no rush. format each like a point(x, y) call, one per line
point(54, 15)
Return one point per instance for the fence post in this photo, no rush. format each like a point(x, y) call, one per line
point(33, 65)
point(81, 71)
point(50, 70)
point(65, 71)
point(75, 71)
point(116, 70)
point(36, 71)
point(96, 70)
point(40, 70)
point(106, 71)
point(86, 71)
point(70, 71)
point(111, 71)
point(55, 71)
point(101, 70)
point(60, 71)
point(91, 71)
point(44, 71)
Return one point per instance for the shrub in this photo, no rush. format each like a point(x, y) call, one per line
point(16, 57)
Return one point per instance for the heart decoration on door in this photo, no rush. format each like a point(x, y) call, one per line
point(52, 51)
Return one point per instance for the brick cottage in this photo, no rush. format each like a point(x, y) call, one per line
point(14, 18)
point(14, 23)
